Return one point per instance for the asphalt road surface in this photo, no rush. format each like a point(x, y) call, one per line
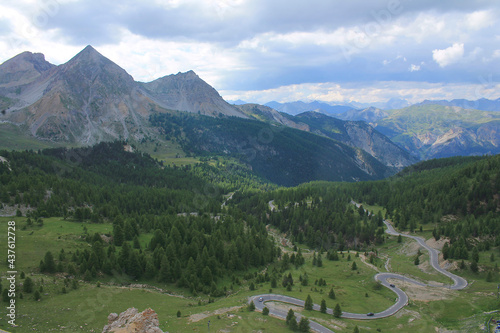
point(458, 282)
point(401, 300)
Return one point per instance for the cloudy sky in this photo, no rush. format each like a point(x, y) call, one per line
point(283, 50)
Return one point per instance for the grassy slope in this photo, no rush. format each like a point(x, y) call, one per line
point(13, 138)
point(420, 119)
point(416, 125)
point(89, 306)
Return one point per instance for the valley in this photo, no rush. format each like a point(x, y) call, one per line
point(162, 195)
point(321, 243)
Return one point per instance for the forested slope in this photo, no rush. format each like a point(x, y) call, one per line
point(280, 154)
point(458, 197)
point(195, 240)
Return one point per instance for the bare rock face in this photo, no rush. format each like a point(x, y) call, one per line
point(133, 321)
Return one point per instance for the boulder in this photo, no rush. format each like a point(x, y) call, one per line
point(133, 321)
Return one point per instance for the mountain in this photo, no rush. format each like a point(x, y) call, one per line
point(268, 114)
point(187, 92)
point(297, 107)
point(434, 131)
point(356, 134)
point(237, 102)
point(86, 100)
point(280, 154)
point(480, 104)
point(360, 135)
point(23, 69)
point(91, 99)
point(393, 103)
point(369, 115)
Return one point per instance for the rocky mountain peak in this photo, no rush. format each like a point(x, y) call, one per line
point(23, 69)
point(89, 54)
point(90, 68)
point(188, 92)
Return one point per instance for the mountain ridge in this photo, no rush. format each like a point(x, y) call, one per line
point(89, 98)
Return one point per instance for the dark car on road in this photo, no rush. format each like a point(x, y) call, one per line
point(369, 314)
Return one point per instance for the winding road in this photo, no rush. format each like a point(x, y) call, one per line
point(401, 301)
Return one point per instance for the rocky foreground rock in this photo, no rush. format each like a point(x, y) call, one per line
point(133, 321)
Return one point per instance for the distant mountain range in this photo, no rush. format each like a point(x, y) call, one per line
point(297, 107)
point(435, 131)
point(294, 108)
point(90, 99)
point(431, 129)
point(480, 104)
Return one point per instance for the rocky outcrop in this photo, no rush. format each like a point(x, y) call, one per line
point(188, 92)
point(133, 321)
point(23, 69)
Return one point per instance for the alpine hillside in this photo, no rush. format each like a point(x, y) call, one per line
point(90, 99)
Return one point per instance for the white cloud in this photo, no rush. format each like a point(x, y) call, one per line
point(363, 92)
point(414, 68)
point(449, 55)
point(479, 19)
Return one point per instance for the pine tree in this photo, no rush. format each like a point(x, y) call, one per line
point(290, 315)
point(319, 261)
point(473, 267)
point(137, 244)
point(337, 311)
point(308, 305)
point(475, 255)
point(274, 283)
point(304, 325)
point(265, 311)
point(164, 274)
point(293, 324)
point(446, 251)
point(134, 265)
point(118, 235)
point(323, 306)
point(48, 263)
point(150, 270)
point(331, 294)
point(417, 261)
point(356, 329)
point(28, 285)
point(354, 266)
point(251, 306)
